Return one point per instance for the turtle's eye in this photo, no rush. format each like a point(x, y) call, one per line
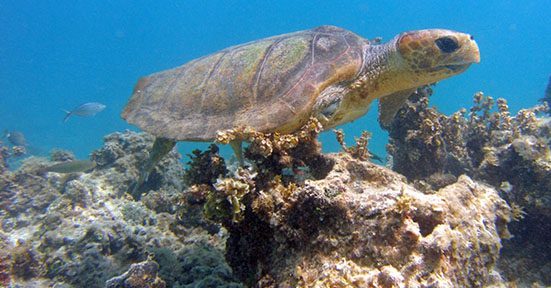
point(447, 44)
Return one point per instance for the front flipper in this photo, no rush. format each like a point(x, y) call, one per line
point(160, 148)
point(390, 104)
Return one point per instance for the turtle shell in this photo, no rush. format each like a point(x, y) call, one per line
point(269, 84)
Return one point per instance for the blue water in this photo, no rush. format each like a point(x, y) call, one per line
point(59, 54)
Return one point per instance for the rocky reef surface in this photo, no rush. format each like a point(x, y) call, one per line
point(293, 216)
point(509, 152)
point(81, 229)
point(363, 226)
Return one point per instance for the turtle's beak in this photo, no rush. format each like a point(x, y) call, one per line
point(470, 52)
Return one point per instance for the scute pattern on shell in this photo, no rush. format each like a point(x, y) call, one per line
point(269, 84)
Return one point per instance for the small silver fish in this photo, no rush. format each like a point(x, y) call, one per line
point(16, 138)
point(86, 109)
point(71, 166)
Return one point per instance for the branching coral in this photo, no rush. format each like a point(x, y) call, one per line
point(359, 151)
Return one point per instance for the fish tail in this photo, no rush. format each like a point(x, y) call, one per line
point(67, 114)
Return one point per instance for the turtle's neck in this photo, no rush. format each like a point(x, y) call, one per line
point(384, 72)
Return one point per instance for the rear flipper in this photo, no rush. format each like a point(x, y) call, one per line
point(160, 148)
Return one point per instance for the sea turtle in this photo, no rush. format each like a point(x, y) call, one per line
point(278, 83)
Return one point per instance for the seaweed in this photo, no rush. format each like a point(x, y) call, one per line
point(205, 166)
point(358, 151)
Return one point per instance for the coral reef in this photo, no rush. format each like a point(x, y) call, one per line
point(290, 158)
point(356, 225)
point(198, 265)
point(5, 260)
point(511, 153)
point(4, 154)
point(120, 159)
point(60, 155)
point(227, 201)
point(139, 275)
point(492, 146)
point(7, 154)
point(81, 229)
point(295, 157)
point(293, 216)
point(363, 226)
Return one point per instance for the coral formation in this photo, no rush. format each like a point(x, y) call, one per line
point(120, 160)
point(205, 167)
point(81, 229)
point(360, 150)
point(198, 265)
point(139, 275)
point(60, 155)
point(547, 95)
point(511, 153)
point(358, 225)
point(5, 260)
point(227, 201)
point(295, 157)
point(362, 226)
point(7, 154)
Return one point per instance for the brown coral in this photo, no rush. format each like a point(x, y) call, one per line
point(359, 151)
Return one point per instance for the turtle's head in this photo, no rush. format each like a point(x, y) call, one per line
point(435, 54)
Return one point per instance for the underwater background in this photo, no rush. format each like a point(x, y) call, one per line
point(59, 54)
point(463, 200)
